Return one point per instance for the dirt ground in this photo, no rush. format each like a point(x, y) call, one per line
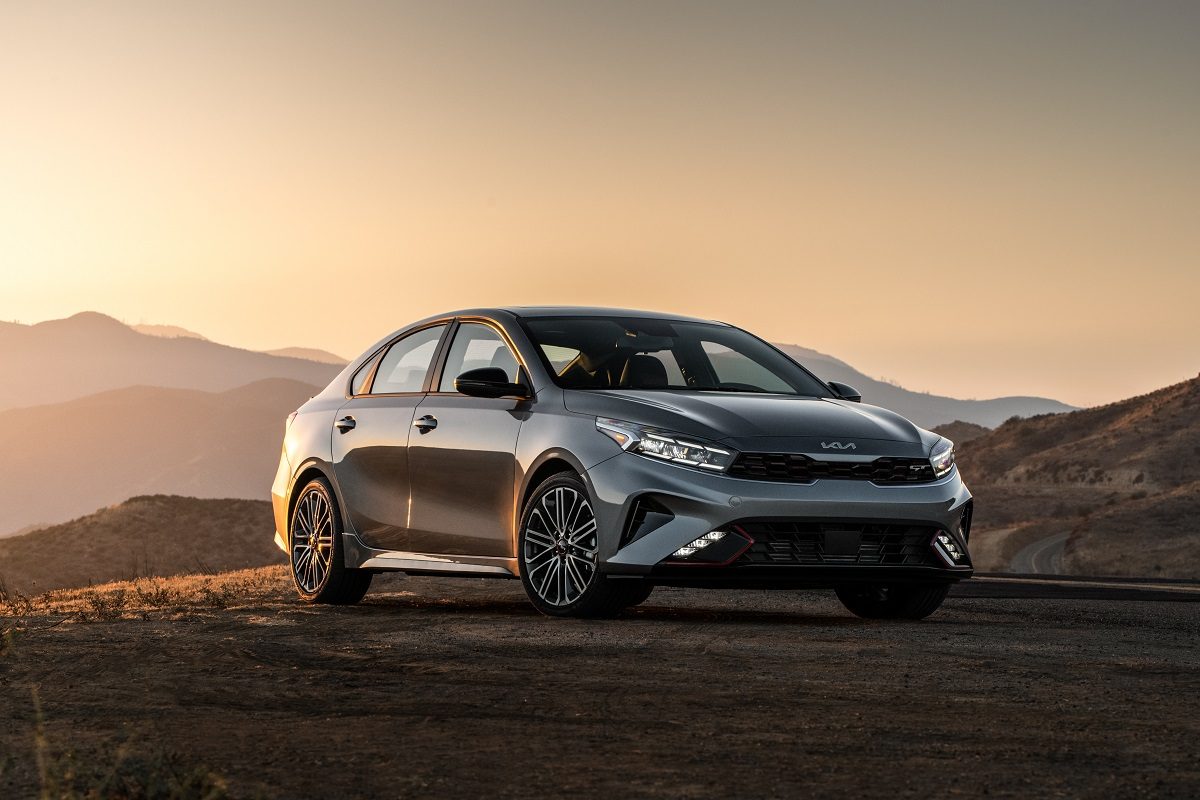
point(456, 688)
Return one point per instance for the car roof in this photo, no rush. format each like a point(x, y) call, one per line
point(594, 311)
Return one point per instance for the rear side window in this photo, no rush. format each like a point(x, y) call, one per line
point(406, 363)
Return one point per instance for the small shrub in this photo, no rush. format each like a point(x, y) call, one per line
point(219, 597)
point(155, 593)
point(106, 606)
point(14, 604)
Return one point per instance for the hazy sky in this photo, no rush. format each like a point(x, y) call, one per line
point(971, 198)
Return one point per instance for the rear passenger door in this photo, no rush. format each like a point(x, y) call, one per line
point(463, 461)
point(371, 434)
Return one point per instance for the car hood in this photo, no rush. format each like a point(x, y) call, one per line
point(761, 422)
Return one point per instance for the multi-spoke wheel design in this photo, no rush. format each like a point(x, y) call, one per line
point(312, 540)
point(318, 562)
point(560, 546)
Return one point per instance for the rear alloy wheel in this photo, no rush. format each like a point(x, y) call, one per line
point(558, 553)
point(893, 600)
point(315, 538)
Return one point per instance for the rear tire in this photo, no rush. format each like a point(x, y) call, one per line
point(557, 554)
point(894, 600)
point(316, 550)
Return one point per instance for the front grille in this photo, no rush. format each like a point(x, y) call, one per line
point(797, 468)
point(784, 543)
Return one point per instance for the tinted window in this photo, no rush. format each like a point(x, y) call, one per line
point(476, 346)
point(406, 363)
point(636, 353)
point(737, 369)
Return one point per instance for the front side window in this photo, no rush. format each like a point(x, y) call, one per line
point(476, 346)
point(637, 354)
point(406, 363)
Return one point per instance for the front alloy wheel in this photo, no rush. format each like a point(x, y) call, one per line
point(560, 545)
point(558, 553)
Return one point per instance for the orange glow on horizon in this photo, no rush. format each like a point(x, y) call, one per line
point(975, 202)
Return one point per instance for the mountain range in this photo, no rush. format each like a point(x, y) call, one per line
point(926, 410)
point(64, 359)
point(1119, 485)
point(67, 459)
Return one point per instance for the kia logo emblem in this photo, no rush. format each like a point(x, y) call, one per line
point(837, 446)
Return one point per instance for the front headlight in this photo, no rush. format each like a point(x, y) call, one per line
point(677, 448)
point(942, 458)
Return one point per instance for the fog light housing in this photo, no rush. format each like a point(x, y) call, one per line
point(699, 544)
point(950, 551)
point(713, 549)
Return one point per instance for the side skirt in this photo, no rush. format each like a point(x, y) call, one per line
point(359, 556)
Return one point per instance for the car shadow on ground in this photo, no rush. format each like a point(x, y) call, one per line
point(391, 604)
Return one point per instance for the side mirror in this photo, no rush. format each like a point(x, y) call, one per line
point(489, 382)
point(845, 392)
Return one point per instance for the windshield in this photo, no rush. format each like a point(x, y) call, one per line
point(633, 353)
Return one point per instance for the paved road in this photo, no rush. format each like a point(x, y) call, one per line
point(456, 688)
point(1043, 557)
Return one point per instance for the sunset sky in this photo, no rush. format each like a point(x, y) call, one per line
point(976, 199)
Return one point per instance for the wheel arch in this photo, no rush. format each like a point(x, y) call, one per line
point(310, 469)
point(549, 463)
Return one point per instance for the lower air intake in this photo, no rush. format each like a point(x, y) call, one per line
point(805, 543)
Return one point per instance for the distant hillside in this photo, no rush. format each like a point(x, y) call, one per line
point(168, 331)
point(311, 354)
point(926, 410)
point(961, 432)
point(143, 536)
point(66, 459)
point(1122, 479)
point(88, 353)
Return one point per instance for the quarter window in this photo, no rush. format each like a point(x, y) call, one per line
point(407, 362)
point(358, 383)
point(477, 346)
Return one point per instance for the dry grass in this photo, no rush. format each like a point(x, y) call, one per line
point(187, 594)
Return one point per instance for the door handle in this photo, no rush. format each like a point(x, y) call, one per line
point(345, 424)
point(425, 424)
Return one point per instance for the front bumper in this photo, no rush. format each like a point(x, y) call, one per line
point(699, 502)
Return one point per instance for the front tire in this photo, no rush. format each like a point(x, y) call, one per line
point(893, 601)
point(316, 550)
point(557, 551)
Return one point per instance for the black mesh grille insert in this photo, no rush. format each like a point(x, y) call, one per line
point(797, 468)
point(782, 543)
